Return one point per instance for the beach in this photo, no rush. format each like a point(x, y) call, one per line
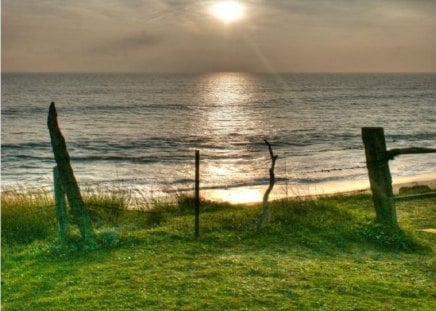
point(255, 194)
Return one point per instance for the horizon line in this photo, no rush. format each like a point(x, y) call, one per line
point(223, 71)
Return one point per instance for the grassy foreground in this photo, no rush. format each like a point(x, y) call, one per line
point(323, 254)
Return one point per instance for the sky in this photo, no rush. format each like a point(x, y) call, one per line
point(183, 36)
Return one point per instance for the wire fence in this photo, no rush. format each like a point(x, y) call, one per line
point(143, 192)
point(220, 177)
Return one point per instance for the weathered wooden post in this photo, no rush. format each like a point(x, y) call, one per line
point(66, 174)
point(197, 194)
point(379, 175)
point(61, 212)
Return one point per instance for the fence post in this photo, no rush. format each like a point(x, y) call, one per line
point(66, 174)
point(197, 194)
point(379, 175)
point(61, 212)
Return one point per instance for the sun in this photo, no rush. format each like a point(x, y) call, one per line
point(227, 11)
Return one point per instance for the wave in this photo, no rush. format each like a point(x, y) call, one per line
point(129, 124)
point(411, 137)
point(27, 145)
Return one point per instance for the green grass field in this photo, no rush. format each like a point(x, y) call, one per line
point(320, 254)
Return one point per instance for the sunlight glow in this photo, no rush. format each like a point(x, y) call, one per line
point(227, 11)
point(236, 195)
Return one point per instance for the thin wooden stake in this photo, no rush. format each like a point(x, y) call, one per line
point(61, 208)
point(197, 194)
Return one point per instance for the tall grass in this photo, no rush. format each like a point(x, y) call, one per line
point(317, 223)
point(26, 216)
point(30, 215)
point(106, 204)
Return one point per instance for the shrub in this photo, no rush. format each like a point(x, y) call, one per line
point(390, 238)
point(154, 217)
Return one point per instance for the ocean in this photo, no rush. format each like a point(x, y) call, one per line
point(140, 131)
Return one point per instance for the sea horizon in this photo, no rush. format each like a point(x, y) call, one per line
point(218, 71)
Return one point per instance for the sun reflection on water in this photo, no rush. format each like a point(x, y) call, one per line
point(226, 101)
point(226, 113)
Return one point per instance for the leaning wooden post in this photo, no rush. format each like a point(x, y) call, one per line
point(61, 211)
point(379, 175)
point(66, 174)
point(197, 194)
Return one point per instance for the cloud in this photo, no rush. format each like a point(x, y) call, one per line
point(180, 35)
point(127, 43)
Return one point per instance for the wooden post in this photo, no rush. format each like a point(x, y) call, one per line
point(61, 211)
point(379, 175)
point(66, 174)
point(197, 194)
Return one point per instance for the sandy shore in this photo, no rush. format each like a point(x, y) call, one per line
point(254, 194)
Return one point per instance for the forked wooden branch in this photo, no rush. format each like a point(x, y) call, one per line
point(265, 214)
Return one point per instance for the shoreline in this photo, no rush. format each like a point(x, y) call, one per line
point(254, 194)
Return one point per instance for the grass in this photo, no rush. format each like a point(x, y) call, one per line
point(26, 216)
point(320, 254)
